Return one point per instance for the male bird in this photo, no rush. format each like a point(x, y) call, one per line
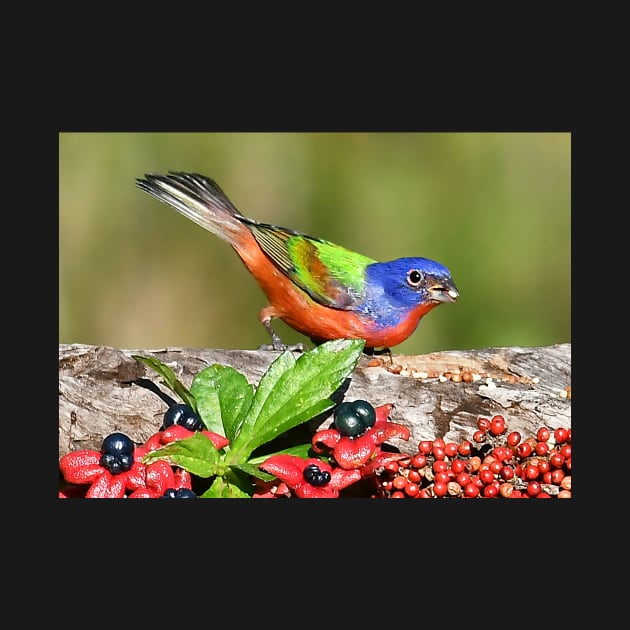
point(320, 289)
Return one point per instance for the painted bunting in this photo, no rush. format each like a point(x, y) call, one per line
point(320, 289)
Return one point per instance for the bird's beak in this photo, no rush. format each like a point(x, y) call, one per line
point(444, 292)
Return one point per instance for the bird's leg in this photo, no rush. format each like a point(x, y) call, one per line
point(388, 352)
point(373, 352)
point(276, 342)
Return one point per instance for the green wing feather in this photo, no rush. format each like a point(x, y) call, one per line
point(330, 274)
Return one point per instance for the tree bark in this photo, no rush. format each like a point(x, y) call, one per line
point(103, 389)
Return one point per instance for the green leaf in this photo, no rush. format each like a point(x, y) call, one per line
point(300, 393)
point(223, 397)
point(196, 454)
point(254, 471)
point(282, 422)
point(171, 380)
point(224, 488)
point(280, 365)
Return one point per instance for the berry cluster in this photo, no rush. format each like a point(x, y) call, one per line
point(117, 471)
point(494, 464)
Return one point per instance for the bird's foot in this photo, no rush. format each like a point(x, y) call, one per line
point(277, 345)
point(281, 347)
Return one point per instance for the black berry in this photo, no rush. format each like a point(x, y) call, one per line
point(365, 411)
point(183, 415)
point(347, 421)
point(182, 493)
point(315, 476)
point(117, 453)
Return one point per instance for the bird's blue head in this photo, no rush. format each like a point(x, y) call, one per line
point(405, 283)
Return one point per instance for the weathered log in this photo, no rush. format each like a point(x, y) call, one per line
point(103, 389)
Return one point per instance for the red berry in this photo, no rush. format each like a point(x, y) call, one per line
point(490, 491)
point(543, 466)
point(543, 434)
point(557, 475)
point(486, 476)
point(450, 448)
point(438, 452)
point(471, 491)
point(542, 448)
point(458, 465)
point(465, 448)
point(507, 472)
point(425, 446)
point(533, 488)
point(497, 425)
point(543, 495)
point(419, 460)
point(440, 488)
point(442, 476)
point(530, 472)
point(463, 479)
point(412, 489)
point(513, 439)
point(439, 465)
point(477, 481)
point(399, 482)
point(524, 449)
point(397, 495)
point(561, 435)
point(479, 436)
point(414, 476)
point(506, 490)
point(565, 451)
point(483, 424)
point(556, 459)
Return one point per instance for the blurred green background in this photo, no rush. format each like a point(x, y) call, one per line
point(495, 208)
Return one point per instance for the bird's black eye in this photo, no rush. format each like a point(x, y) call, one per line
point(415, 277)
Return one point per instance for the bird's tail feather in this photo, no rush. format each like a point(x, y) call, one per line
point(200, 199)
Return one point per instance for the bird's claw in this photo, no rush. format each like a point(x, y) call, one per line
point(277, 345)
